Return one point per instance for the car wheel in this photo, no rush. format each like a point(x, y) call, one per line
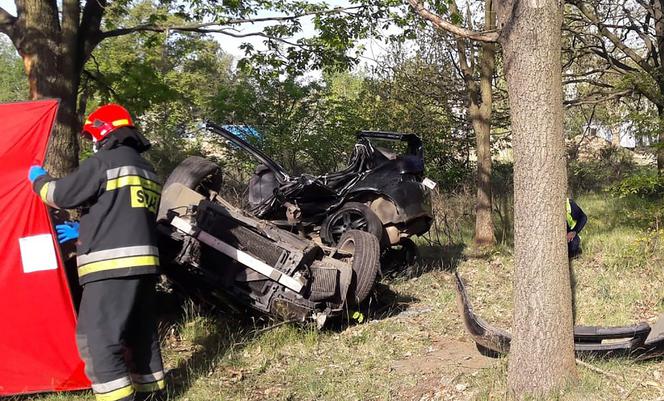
point(194, 172)
point(351, 216)
point(401, 257)
point(364, 257)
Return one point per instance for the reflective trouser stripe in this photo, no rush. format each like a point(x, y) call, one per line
point(120, 263)
point(132, 180)
point(46, 193)
point(150, 387)
point(115, 394)
point(114, 253)
point(112, 385)
point(152, 377)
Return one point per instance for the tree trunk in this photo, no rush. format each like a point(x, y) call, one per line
point(660, 140)
point(658, 13)
point(542, 349)
point(480, 99)
point(481, 119)
point(50, 56)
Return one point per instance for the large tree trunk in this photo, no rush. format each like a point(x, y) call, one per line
point(51, 52)
point(481, 119)
point(542, 349)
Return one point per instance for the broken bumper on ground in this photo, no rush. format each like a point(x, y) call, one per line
point(639, 341)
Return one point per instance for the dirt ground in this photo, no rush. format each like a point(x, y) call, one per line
point(437, 371)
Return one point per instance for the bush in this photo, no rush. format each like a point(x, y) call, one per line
point(607, 166)
point(643, 185)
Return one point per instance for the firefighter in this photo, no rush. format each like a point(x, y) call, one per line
point(576, 220)
point(117, 256)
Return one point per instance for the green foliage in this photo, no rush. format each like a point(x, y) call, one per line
point(310, 125)
point(171, 81)
point(605, 167)
point(167, 81)
point(13, 84)
point(642, 184)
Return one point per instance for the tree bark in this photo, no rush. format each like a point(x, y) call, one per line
point(48, 49)
point(480, 100)
point(660, 140)
point(542, 350)
point(481, 120)
point(54, 45)
point(659, 37)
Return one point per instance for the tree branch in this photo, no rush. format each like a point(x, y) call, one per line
point(438, 22)
point(467, 70)
point(193, 29)
point(259, 34)
point(90, 32)
point(7, 22)
point(597, 98)
point(629, 52)
point(207, 27)
point(593, 82)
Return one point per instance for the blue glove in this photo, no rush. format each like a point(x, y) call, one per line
point(67, 231)
point(35, 172)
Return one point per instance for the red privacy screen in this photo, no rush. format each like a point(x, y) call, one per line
point(37, 320)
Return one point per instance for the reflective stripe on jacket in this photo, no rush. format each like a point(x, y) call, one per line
point(571, 223)
point(120, 192)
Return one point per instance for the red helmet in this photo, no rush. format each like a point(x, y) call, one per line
point(106, 119)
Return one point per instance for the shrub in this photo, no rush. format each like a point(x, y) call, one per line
point(606, 166)
point(644, 185)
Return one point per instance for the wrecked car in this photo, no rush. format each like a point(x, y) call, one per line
point(379, 191)
point(639, 341)
point(219, 254)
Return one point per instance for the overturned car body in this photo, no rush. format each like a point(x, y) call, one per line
point(379, 191)
point(640, 340)
point(219, 254)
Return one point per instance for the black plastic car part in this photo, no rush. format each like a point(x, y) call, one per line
point(596, 340)
point(280, 174)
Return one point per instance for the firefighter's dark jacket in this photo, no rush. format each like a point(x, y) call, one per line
point(578, 215)
point(120, 194)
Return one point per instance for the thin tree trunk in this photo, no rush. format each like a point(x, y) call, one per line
point(481, 119)
point(660, 140)
point(542, 350)
point(479, 113)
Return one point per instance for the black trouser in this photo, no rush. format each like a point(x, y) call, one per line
point(117, 337)
point(574, 247)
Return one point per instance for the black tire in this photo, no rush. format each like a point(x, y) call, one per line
point(365, 262)
point(401, 257)
point(351, 216)
point(192, 171)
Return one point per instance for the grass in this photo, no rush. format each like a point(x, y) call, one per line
point(417, 348)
